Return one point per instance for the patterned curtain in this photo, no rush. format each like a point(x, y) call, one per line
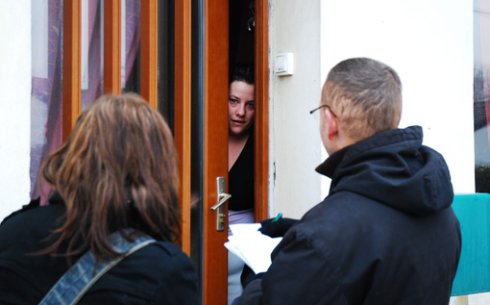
point(92, 86)
point(46, 113)
point(132, 38)
point(47, 89)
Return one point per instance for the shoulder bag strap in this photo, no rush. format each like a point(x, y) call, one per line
point(80, 277)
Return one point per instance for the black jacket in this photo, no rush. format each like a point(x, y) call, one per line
point(385, 234)
point(159, 273)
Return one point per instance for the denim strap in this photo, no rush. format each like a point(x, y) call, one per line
point(80, 277)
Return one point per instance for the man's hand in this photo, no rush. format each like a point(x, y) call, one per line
point(276, 227)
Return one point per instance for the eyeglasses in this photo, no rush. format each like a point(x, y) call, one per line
point(322, 106)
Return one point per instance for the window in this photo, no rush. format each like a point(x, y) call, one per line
point(70, 68)
point(482, 94)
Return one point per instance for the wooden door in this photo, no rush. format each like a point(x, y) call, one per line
point(215, 152)
point(209, 89)
point(215, 148)
point(210, 85)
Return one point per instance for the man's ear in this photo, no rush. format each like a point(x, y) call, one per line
point(332, 123)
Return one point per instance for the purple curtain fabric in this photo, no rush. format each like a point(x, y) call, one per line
point(95, 51)
point(132, 35)
point(47, 92)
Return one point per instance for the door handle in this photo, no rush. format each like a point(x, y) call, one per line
point(223, 197)
point(219, 207)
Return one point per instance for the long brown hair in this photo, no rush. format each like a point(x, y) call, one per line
point(116, 169)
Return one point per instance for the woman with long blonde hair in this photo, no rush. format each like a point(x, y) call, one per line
point(116, 173)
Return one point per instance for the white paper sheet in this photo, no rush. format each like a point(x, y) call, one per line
point(253, 247)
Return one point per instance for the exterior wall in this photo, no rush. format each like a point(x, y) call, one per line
point(295, 149)
point(15, 116)
point(428, 43)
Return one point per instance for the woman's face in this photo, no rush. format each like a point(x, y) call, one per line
point(241, 107)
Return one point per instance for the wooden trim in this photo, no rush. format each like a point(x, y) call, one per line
point(262, 109)
point(72, 93)
point(112, 47)
point(182, 113)
point(216, 49)
point(149, 51)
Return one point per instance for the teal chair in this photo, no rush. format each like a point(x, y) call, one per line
point(473, 275)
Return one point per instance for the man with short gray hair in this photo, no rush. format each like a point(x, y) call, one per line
point(386, 232)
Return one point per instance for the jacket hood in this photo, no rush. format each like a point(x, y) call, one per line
point(395, 169)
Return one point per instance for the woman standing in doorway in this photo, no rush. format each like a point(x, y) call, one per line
point(241, 113)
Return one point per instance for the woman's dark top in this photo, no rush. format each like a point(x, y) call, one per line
point(241, 179)
point(159, 273)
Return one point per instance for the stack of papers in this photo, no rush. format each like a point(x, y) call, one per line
point(253, 247)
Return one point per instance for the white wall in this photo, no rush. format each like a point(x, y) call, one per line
point(15, 86)
point(428, 42)
point(294, 147)
point(430, 45)
point(482, 24)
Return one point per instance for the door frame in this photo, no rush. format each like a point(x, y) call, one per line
point(215, 63)
point(261, 152)
point(215, 36)
point(215, 148)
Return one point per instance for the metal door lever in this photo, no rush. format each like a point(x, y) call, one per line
point(223, 197)
point(219, 208)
